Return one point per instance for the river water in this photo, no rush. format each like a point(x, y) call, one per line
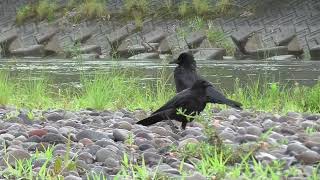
point(222, 73)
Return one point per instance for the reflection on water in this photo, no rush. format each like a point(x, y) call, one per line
point(222, 73)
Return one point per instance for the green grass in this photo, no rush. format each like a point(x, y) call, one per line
point(90, 9)
point(46, 9)
point(123, 89)
point(23, 169)
point(24, 13)
point(219, 39)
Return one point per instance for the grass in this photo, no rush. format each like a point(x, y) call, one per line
point(23, 169)
point(46, 10)
point(24, 13)
point(123, 89)
point(91, 9)
point(219, 39)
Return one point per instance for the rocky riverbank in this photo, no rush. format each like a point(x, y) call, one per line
point(99, 142)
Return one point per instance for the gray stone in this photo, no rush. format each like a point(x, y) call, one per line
point(210, 54)
point(86, 157)
point(72, 177)
point(308, 157)
point(159, 130)
point(116, 37)
point(105, 153)
point(155, 36)
point(31, 51)
point(105, 142)
point(13, 156)
point(111, 163)
point(254, 130)
point(254, 43)
point(240, 39)
point(54, 138)
point(54, 116)
point(194, 39)
point(120, 134)
point(144, 147)
point(145, 56)
point(176, 44)
point(262, 156)
point(296, 148)
point(82, 36)
point(152, 158)
point(90, 134)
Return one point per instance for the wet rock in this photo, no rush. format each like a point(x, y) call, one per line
point(31, 51)
point(313, 117)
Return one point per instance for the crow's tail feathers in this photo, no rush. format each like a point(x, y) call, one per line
point(150, 120)
point(233, 104)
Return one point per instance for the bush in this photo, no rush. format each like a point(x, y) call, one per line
point(46, 10)
point(24, 13)
point(92, 9)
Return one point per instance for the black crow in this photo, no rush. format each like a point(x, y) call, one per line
point(191, 101)
point(185, 74)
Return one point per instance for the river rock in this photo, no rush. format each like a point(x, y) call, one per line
point(308, 157)
point(92, 135)
point(152, 158)
point(296, 148)
point(120, 134)
point(105, 153)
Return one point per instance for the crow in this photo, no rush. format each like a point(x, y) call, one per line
point(191, 101)
point(185, 74)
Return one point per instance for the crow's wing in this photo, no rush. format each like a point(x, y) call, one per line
point(179, 100)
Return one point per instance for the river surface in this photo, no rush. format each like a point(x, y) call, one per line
point(222, 73)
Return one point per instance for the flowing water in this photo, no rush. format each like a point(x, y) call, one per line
point(223, 73)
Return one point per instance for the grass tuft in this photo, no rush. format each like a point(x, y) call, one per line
point(91, 9)
point(46, 10)
point(219, 39)
point(24, 13)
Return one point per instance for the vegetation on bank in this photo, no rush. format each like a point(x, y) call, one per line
point(115, 90)
point(136, 10)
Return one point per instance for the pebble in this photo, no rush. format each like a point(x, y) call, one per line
point(99, 140)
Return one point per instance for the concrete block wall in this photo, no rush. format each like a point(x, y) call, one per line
point(299, 16)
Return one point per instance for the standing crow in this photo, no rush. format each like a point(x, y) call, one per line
point(185, 74)
point(191, 101)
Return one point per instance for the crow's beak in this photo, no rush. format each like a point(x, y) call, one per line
point(175, 61)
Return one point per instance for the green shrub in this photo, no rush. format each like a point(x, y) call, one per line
point(93, 9)
point(183, 9)
point(218, 39)
point(46, 9)
point(24, 13)
point(201, 7)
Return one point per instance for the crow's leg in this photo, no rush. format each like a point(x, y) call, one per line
point(184, 125)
